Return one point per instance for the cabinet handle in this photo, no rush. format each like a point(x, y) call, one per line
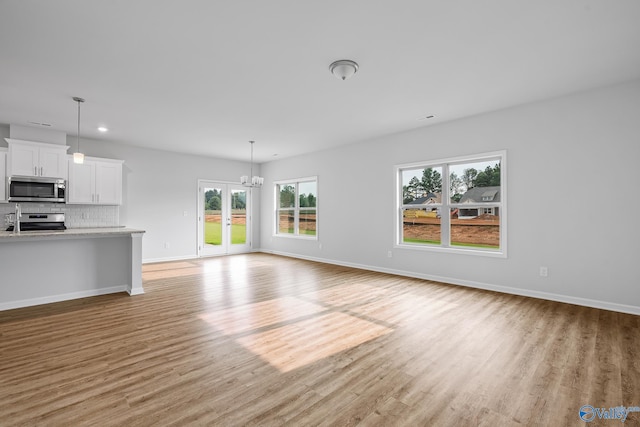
point(93, 197)
point(98, 198)
point(35, 171)
point(41, 170)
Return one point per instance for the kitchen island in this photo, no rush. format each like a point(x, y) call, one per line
point(39, 267)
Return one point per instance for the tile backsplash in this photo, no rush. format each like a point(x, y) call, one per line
point(76, 216)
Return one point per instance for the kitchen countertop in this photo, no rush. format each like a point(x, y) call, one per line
point(77, 233)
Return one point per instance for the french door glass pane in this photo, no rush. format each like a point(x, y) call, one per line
point(213, 216)
point(238, 217)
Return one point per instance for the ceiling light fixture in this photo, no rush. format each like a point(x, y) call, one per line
point(344, 68)
point(102, 129)
point(256, 181)
point(78, 157)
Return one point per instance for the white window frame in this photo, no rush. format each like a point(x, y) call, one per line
point(446, 205)
point(296, 209)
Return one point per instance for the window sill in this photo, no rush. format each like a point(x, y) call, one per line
point(296, 236)
point(454, 250)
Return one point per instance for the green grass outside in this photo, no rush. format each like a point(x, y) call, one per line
point(429, 242)
point(213, 233)
point(305, 232)
point(476, 245)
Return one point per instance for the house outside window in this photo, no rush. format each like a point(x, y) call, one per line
point(297, 208)
point(453, 205)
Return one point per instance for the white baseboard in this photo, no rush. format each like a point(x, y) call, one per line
point(604, 305)
point(168, 259)
point(62, 297)
point(192, 257)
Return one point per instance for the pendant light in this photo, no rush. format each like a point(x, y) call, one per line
point(256, 181)
point(78, 157)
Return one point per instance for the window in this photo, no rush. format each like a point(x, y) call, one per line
point(455, 205)
point(296, 207)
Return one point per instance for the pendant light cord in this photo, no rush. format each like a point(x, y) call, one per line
point(251, 177)
point(78, 126)
point(79, 101)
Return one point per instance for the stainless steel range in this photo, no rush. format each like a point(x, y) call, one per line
point(37, 221)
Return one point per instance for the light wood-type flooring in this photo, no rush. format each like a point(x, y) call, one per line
point(258, 339)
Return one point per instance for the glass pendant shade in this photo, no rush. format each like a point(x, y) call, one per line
point(78, 158)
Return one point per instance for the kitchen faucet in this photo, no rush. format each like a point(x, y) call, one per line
point(16, 222)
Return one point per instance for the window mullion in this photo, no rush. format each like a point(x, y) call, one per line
point(445, 215)
point(296, 211)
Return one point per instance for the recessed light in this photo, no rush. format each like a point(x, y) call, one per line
point(103, 129)
point(427, 117)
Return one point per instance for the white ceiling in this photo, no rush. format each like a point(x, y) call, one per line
point(205, 76)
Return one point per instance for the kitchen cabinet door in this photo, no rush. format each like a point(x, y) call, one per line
point(81, 185)
point(53, 162)
point(108, 183)
point(23, 160)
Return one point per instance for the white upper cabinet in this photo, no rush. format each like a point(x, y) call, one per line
point(95, 182)
point(81, 187)
point(26, 158)
point(109, 183)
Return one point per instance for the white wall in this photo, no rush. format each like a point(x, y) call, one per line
point(159, 187)
point(572, 171)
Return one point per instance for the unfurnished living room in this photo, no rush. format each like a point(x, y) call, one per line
point(356, 213)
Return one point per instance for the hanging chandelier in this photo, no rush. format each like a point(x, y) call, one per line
point(256, 181)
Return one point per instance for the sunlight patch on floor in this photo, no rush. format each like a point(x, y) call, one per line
point(298, 344)
point(249, 317)
point(290, 333)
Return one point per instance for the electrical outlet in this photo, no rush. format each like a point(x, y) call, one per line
point(544, 271)
point(184, 213)
point(320, 246)
point(166, 245)
point(389, 254)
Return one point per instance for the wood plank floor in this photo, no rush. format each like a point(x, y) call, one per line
point(264, 340)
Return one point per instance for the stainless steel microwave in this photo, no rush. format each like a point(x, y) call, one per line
point(36, 189)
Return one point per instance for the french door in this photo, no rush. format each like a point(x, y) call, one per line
point(224, 225)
